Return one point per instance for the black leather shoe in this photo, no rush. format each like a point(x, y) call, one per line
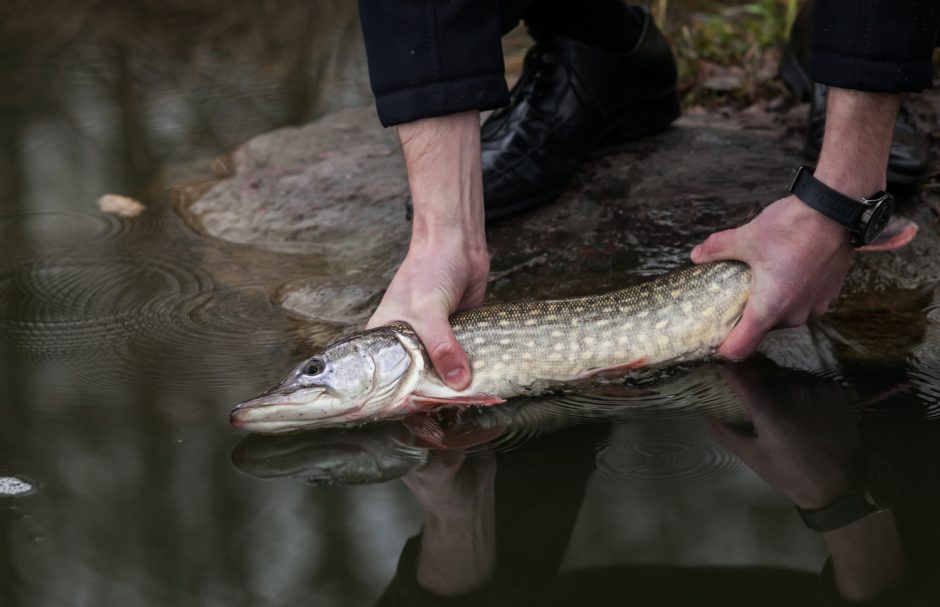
point(907, 161)
point(570, 100)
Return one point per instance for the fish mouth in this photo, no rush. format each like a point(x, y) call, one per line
point(284, 412)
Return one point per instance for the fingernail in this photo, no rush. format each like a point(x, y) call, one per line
point(696, 251)
point(454, 375)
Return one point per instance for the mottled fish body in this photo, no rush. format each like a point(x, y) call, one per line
point(386, 373)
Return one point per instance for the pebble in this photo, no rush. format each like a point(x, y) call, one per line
point(12, 486)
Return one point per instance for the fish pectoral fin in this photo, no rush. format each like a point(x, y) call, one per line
point(896, 234)
point(431, 435)
point(614, 370)
point(425, 428)
point(426, 402)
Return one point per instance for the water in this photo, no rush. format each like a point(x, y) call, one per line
point(125, 342)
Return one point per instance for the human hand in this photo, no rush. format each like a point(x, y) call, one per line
point(431, 284)
point(447, 263)
point(452, 482)
point(798, 259)
point(458, 542)
point(804, 443)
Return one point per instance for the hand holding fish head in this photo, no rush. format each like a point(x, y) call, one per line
point(349, 382)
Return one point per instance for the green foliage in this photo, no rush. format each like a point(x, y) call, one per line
point(739, 41)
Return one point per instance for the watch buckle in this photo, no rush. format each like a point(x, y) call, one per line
point(796, 178)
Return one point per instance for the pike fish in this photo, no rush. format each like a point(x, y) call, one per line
point(385, 373)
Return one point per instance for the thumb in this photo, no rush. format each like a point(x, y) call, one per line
point(448, 357)
point(719, 246)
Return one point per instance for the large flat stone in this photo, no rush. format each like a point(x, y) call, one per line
point(335, 191)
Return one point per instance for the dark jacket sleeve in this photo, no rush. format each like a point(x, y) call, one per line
point(433, 57)
point(882, 46)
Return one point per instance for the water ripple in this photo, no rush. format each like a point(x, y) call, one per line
point(75, 304)
point(672, 458)
point(28, 233)
point(116, 320)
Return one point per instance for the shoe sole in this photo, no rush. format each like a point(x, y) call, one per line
point(650, 118)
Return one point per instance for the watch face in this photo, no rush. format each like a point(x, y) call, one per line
point(878, 216)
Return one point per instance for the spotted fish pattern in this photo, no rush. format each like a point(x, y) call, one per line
point(679, 316)
point(516, 348)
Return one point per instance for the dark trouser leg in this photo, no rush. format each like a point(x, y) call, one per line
point(607, 24)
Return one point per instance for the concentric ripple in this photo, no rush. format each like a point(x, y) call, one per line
point(48, 230)
point(665, 458)
point(115, 320)
point(74, 305)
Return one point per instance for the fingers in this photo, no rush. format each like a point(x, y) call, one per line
point(749, 386)
point(433, 329)
point(746, 335)
point(448, 357)
point(737, 440)
point(719, 246)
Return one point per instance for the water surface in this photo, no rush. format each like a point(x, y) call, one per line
point(125, 342)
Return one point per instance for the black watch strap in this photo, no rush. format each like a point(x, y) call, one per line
point(845, 511)
point(874, 491)
point(817, 195)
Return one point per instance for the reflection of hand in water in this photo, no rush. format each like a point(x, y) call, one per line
point(458, 542)
point(805, 444)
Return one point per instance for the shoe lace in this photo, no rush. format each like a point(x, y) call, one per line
point(539, 74)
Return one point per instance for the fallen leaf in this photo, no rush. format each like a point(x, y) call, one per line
point(120, 205)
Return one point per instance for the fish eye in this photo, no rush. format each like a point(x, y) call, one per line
point(315, 367)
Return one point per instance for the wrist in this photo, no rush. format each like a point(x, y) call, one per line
point(859, 129)
point(443, 161)
point(854, 182)
point(447, 240)
point(814, 223)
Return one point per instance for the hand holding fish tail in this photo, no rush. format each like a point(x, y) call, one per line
point(798, 260)
point(799, 257)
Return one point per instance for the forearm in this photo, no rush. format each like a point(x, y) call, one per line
point(859, 128)
point(442, 157)
point(867, 558)
point(458, 550)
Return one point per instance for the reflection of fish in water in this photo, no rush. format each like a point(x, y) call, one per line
point(381, 452)
point(385, 373)
point(365, 455)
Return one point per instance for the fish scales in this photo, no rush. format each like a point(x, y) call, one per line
point(386, 372)
point(675, 317)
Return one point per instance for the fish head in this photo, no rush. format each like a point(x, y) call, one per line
point(365, 376)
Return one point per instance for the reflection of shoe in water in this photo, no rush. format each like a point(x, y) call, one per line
point(909, 149)
point(571, 99)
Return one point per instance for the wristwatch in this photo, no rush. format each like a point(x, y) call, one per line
point(876, 492)
point(864, 217)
